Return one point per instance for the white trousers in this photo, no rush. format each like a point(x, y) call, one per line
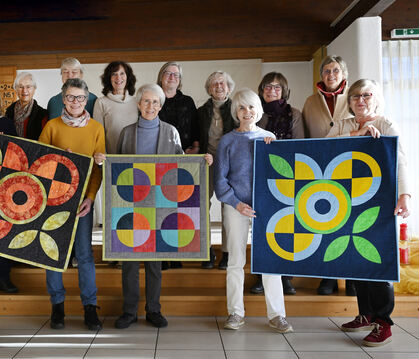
point(237, 230)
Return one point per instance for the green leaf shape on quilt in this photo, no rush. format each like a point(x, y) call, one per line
point(55, 221)
point(366, 219)
point(336, 248)
point(281, 166)
point(49, 246)
point(366, 249)
point(23, 239)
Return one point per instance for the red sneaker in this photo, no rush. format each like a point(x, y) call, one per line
point(380, 335)
point(360, 323)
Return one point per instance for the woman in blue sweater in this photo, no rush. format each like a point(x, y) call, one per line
point(233, 186)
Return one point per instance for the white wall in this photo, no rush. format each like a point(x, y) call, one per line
point(360, 46)
point(246, 73)
point(299, 76)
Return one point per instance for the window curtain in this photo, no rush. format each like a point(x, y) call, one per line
point(401, 95)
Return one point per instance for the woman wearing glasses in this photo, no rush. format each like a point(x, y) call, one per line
point(76, 131)
point(118, 107)
point(28, 117)
point(328, 105)
point(285, 122)
point(178, 110)
point(375, 299)
point(321, 112)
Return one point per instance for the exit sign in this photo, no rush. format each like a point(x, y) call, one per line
point(404, 33)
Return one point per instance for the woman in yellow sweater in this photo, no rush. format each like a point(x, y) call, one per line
point(75, 131)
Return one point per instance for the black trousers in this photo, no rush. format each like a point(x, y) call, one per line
point(5, 265)
point(375, 299)
point(131, 286)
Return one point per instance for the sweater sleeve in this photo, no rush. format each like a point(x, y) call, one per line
point(297, 124)
point(96, 175)
point(45, 136)
point(223, 190)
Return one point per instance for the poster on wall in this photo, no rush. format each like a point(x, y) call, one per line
point(324, 208)
point(41, 188)
point(155, 208)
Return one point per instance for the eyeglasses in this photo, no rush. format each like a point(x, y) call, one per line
point(269, 87)
point(71, 98)
point(154, 103)
point(335, 71)
point(366, 96)
point(174, 74)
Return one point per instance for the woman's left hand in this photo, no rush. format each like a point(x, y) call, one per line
point(209, 159)
point(402, 206)
point(85, 207)
point(99, 158)
point(268, 140)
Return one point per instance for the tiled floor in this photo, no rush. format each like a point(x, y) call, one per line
point(201, 338)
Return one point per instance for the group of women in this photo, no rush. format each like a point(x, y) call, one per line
point(160, 119)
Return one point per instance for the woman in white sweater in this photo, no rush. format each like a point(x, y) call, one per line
point(118, 107)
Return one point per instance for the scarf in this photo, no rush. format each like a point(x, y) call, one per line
point(21, 113)
point(80, 121)
point(330, 97)
point(279, 118)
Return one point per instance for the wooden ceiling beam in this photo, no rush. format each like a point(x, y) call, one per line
point(358, 8)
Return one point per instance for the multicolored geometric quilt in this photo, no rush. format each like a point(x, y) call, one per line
point(155, 207)
point(41, 188)
point(324, 208)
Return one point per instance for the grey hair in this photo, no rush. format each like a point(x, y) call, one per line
point(163, 69)
point(71, 62)
point(333, 58)
point(77, 83)
point(376, 90)
point(156, 89)
point(21, 76)
point(246, 97)
point(231, 84)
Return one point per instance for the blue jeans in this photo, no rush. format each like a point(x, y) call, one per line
point(86, 266)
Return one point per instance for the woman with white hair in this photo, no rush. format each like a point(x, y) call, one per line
point(71, 68)
point(215, 120)
point(375, 299)
point(148, 136)
point(233, 187)
point(29, 118)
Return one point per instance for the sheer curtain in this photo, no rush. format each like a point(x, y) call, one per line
point(401, 94)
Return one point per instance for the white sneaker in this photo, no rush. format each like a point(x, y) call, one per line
point(234, 322)
point(280, 324)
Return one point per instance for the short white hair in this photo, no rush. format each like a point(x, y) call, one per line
point(21, 76)
point(246, 97)
point(71, 62)
point(156, 89)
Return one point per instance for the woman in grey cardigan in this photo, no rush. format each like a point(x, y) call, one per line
point(148, 136)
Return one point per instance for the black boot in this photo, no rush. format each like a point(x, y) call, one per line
point(7, 286)
point(258, 287)
point(224, 261)
point(287, 286)
point(57, 316)
point(209, 264)
point(327, 287)
point(90, 317)
point(350, 289)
